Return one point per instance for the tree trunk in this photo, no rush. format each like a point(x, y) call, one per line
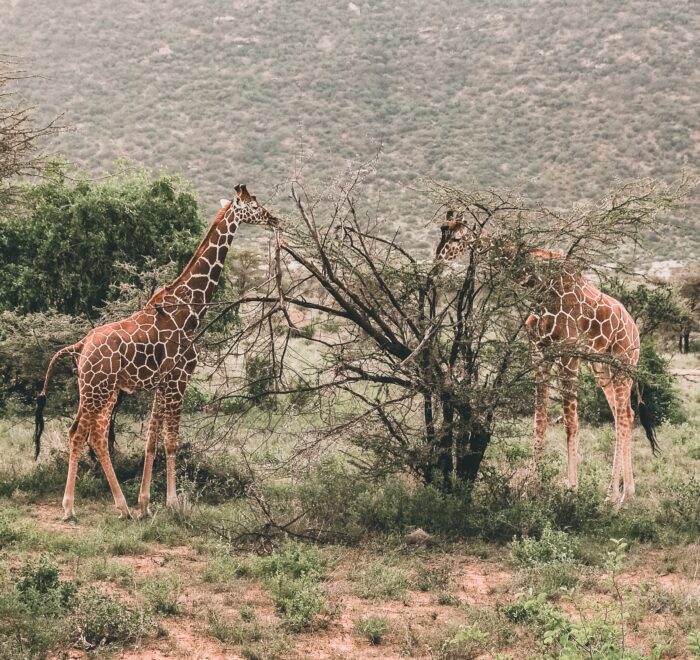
point(460, 448)
point(469, 460)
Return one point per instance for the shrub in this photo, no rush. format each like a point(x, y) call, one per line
point(682, 508)
point(101, 619)
point(292, 574)
point(256, 640)
point(432, 579)
point(377, 579)
point(694, 643)
point(224, 569)
point(465, 642)
point(373, 628)
point(552, 546)
point(101, 570)
point(298, 600)
point(549, 562)
point(295, 560)
point(23, 633)
point(41, 591)
point(124, 541)
point(10, 532)
point(214, 479)
point(163, 594)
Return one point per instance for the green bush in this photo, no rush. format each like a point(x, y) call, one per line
point(213, 479)
point(658, 387)
point(549, 562)
point(374, 628)
point(66, 254)
point(101, 619)
point(41, 591)
point(292, 574)
point(338, 501)
point(297, 560)
point(377, 579)
point(298, 600)
point(465, 642)
point(163, 594)
point(32, 611)
point(552, 546)
point(681, 509)
point(24, 633)
point(10, 532)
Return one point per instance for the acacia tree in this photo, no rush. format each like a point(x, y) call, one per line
point(689, 290)
point(413, 363)
point(20, 136)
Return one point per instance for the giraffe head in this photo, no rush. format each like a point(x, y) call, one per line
point(248, 210)
point(456, 237)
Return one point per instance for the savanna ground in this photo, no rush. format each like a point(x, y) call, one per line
point(550, 575)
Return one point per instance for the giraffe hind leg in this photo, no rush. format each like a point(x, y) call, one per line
point(99, 441)
point(604, 378)
point(171, 424)
point(543, 376)
point(624, 419)
point(76, 440)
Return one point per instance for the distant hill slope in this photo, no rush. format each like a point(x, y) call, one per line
point(557, 98)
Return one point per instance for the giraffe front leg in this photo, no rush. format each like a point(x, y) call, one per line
point(542, 378)
point(173, 397)
point(154, 428)
point(568, 375)
point(171, 424)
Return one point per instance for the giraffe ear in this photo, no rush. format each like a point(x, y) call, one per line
point(224, 202)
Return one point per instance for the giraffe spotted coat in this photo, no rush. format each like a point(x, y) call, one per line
point(573, 321)
point(153, 349)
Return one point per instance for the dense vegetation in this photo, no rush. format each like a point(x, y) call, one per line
point(79, 239)
point(555, 98)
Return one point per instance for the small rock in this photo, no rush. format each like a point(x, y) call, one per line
point(418, 537)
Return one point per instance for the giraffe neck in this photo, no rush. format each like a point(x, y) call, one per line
point(196, 284)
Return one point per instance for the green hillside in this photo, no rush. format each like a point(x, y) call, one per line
point(556, 98)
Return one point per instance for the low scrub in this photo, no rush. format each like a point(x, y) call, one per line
point(100, 619)
point(293, 574)
point(378, 580)
point(374, 628)
point(211, 481)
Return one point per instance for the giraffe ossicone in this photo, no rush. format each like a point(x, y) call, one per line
point(153, 349)
point(572, 321)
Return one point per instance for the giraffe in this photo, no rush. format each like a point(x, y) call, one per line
point(153, 349)
point(574, 321)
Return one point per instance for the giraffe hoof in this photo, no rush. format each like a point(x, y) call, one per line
point(141, 513)
point(70, 517)
point(125, 514)
point(173, 505)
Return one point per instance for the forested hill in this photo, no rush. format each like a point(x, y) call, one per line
point(558, 98)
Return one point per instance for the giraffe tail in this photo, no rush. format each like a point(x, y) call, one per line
point(647, 422)
point(73, 349)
